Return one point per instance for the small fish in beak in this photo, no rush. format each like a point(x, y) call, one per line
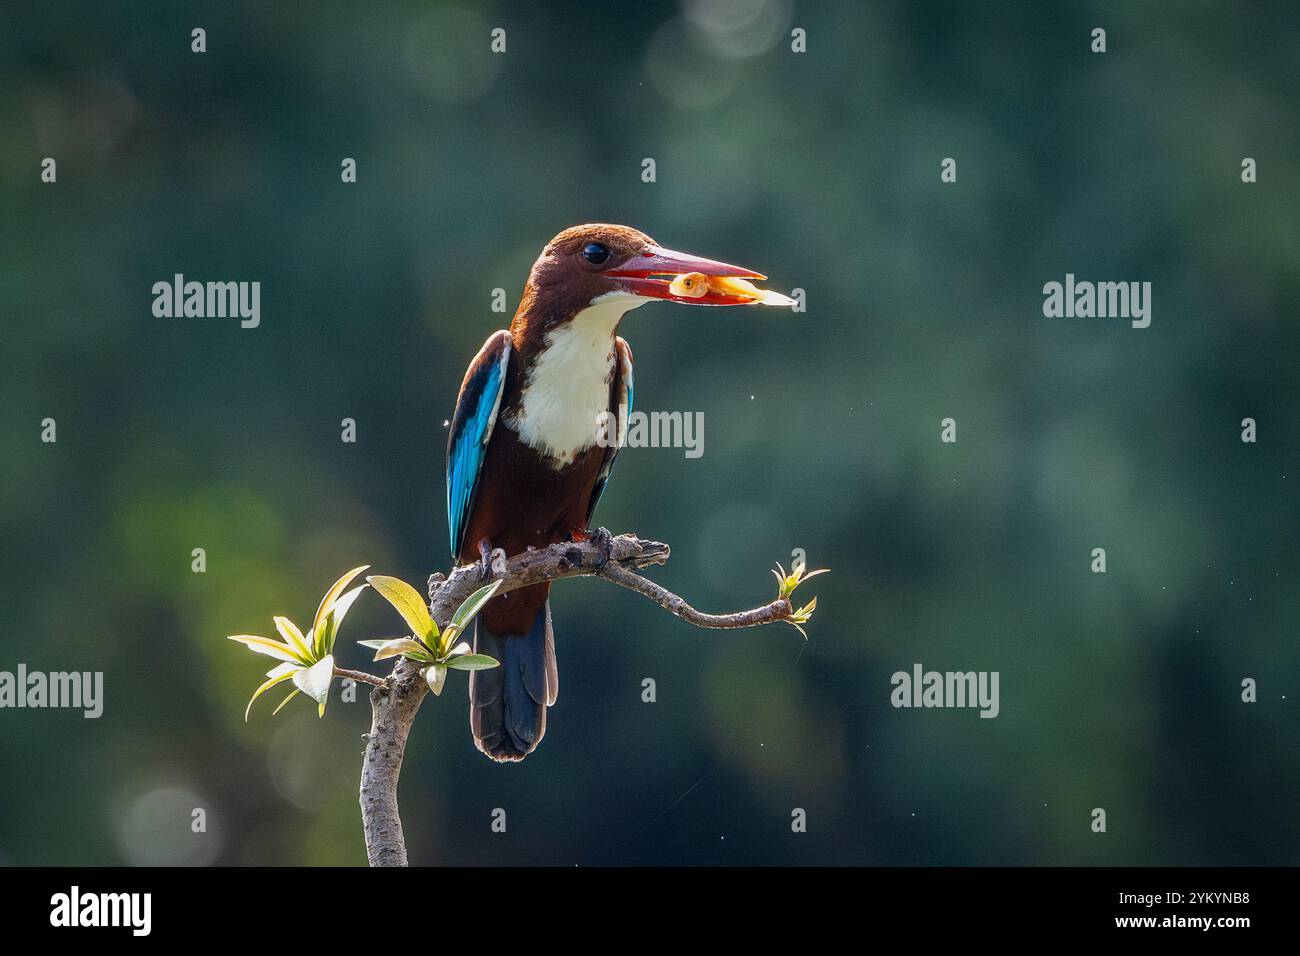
point(696, 285)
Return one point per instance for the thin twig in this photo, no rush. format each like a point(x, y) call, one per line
point(778, 610)
point(361, 677)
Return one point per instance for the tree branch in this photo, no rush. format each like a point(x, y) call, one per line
point(395, 702)
point(778, 610)
point(361, 677)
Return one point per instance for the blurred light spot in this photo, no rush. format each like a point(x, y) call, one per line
point(448, 56)
point(304, 766)
point(156, 829)
point(738, 28)
point(686, 73)
point(87, 116)
point(759, 712)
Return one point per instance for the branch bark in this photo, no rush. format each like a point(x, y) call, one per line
point(395, 702)
point(361, 677)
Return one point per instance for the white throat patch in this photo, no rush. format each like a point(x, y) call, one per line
point(568, 386)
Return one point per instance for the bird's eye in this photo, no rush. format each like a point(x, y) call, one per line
point(595, 253)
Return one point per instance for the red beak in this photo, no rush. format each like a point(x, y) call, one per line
point(651, 273)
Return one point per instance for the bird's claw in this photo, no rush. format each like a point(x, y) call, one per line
point(602, 539)
point(492, 561)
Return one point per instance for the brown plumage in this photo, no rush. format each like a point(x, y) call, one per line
point(562, 283)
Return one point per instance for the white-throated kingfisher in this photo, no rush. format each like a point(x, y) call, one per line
point(525, 466)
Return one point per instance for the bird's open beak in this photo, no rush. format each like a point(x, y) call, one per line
point(651, 274)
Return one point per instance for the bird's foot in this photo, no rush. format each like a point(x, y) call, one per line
point(493, 560)
point(602, 539)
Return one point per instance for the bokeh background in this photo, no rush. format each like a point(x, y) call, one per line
point(1119, 690)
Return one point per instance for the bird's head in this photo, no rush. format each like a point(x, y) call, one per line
point(600, 262)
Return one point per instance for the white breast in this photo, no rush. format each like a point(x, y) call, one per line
point(567, 387)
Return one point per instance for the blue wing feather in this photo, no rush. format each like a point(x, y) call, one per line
point(471, 428)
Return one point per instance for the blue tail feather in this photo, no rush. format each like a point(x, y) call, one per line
point(507, 713)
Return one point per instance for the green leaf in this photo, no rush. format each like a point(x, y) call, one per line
point(264, 645)
point(472, 662)
point(802, 615)
point(379, 642)
point(293, 637)
point(465, 613)
point(292, 694)
point(331, 596)
point(461, 648)
point(473, 604)
point(435, 675)
point(277, 676)
point(285, 668)
point(408, 603)
point(314, 681)
point(449, 634)
point(404, 646)
point(334, 620)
